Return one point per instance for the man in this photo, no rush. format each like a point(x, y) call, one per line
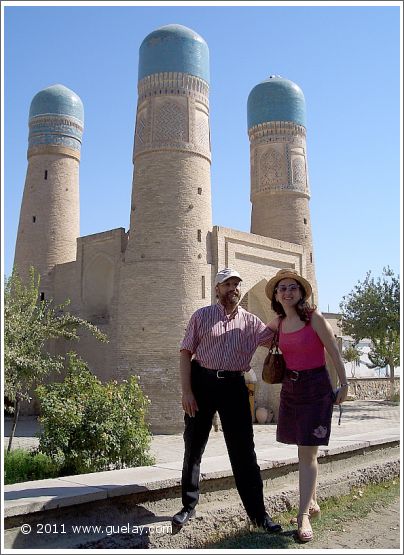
point(219, 343)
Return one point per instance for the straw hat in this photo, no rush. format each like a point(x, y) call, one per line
point(283, 274)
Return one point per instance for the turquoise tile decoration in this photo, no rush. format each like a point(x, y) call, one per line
point(174, 48)
point(276, 99)
point(56, 117)
point(57, 99)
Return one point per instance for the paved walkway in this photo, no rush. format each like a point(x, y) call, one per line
point(361, 420)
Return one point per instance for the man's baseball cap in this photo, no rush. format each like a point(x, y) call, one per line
point(226, 273)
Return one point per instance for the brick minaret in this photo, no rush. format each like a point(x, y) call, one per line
point(279, 176)
point(166, 273)
point(49, 217)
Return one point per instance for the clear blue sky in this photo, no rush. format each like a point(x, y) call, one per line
point(345, 59)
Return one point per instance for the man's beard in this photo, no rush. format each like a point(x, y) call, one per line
point(230, 299)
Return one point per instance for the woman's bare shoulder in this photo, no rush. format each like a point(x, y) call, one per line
point(317, 319)
point(273, 324)
point(315, 314)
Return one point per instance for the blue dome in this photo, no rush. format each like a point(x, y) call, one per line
point(57, 99)
point(276, 99)
point(174, 48)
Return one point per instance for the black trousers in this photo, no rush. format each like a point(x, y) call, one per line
point(228, 396)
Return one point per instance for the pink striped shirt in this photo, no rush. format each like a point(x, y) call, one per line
point(221, 342)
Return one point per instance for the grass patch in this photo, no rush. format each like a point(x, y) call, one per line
point(21, 465)
point(336, 514)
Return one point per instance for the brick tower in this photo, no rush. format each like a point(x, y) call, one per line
point(49, 217)
point(166, 273)
point(279, 177)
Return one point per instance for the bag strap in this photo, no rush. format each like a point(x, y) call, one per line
point(275, 339)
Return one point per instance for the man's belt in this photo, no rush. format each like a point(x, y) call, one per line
point(220, 374)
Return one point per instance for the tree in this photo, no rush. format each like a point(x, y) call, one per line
point(29, 323)
point(352, 354)
point(372, 311)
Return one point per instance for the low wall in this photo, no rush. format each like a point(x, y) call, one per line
point(372, 388)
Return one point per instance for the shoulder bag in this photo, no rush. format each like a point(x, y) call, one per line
point(273, 370)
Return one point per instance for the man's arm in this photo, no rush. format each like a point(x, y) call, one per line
point(188, 400)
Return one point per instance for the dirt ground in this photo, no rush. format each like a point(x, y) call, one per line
point(379, 530)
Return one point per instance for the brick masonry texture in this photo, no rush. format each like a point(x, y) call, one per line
point(50, 215)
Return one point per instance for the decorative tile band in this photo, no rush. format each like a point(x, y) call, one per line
point(278, 161)
point(276, 128)
point(173, 122)
point(173, 83)
point(53, 149)
point(55, 130)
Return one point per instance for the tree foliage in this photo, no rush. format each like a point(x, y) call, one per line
point(372, 311)
point(29, 323)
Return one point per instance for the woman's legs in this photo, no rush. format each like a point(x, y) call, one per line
point(307, 484)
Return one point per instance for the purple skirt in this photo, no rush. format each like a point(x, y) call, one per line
point(305, 409)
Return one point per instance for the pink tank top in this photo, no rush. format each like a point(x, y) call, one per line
point(302, 349)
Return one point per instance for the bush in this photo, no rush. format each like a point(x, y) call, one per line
point(395, 398)
point(21, 465)
point(90, 426)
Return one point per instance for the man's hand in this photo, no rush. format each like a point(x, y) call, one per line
point(189, 403)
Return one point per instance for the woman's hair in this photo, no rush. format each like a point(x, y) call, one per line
point(303, 308)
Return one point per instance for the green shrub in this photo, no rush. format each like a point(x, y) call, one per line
point(395, 398)
point(90, 426)
point(21, 465)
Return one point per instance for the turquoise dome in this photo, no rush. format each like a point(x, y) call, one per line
point(174, 48)
point(55, 102)
point(276, 99)
point(59, 100)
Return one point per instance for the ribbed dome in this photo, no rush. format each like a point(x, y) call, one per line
point(174, 48)
point(276, 99)
point(57, 99)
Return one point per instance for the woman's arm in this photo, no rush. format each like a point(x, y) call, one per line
point(273, 324)
point(326, 335)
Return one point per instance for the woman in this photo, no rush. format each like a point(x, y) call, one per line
point(307, 397)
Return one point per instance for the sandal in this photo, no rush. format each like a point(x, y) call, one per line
point(314, 512)
point(304, 534)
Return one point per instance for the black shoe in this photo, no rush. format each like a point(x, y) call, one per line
point(182, 517)
point(269, 525)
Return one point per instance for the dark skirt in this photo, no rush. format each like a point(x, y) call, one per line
point(305, 408)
